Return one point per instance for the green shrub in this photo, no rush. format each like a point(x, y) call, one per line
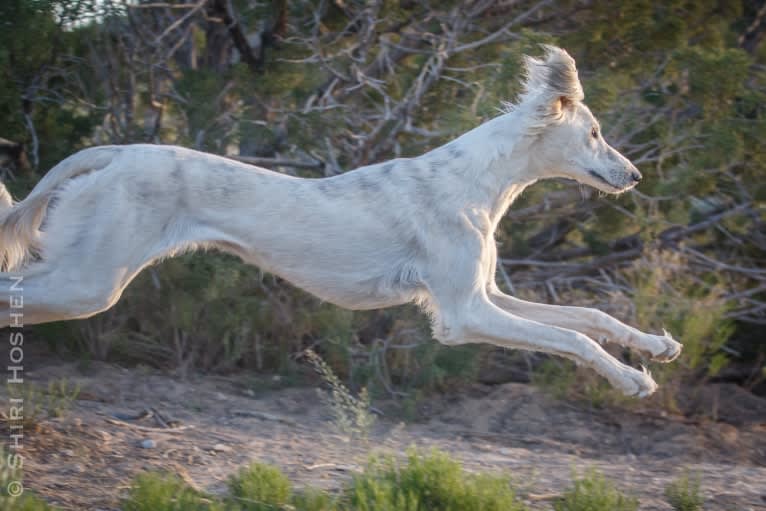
point(162, 492)
point(26, 502)
point(593, 492)
point(434, 482)
point(556, 376)
point(314, 500)
point(684, 493)
point(667, 297)
point(40, 404)
point(61, 396)
point(260, 487)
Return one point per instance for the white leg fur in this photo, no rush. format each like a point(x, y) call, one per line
point(408, 230)
point(594, 323)
point(487, 323)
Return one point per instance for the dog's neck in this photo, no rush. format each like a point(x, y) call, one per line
point(497, 162)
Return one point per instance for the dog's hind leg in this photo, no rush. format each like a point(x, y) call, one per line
point(33, 297)
point(27, 303)
point(89, 276)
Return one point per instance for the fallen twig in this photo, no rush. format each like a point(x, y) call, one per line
point(263, 416)
point(147, 428)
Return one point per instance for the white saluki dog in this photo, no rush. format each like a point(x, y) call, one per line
point(407, 230)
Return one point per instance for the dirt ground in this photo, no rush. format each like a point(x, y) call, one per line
point(86, 460)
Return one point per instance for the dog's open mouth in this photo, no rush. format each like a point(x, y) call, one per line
point(601, 178)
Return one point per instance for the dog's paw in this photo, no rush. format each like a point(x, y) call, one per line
point(663, 348)
point(637, 383)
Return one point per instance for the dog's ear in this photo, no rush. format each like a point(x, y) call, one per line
point(560, 104)
point(552, 82)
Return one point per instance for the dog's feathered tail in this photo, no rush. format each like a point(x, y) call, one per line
point(20, 222)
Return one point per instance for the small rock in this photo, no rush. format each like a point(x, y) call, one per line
point(68, 452)
point(221, 448)
point(148, 444)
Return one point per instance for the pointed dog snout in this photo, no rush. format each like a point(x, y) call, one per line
point(623, 167)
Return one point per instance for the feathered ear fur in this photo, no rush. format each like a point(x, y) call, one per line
point(551, 84)
point(555, 76)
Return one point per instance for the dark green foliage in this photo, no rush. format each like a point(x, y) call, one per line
point(160, 492)
point(314, 500)
point(684, 493)
point(26, 502)
point(593, 492)
point(434, 482)
point(430, 482)
point(260, 488)
point(32, 45)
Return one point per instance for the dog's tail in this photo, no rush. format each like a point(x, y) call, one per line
point(20, 221)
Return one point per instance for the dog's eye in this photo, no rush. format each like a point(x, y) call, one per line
point(594, 132)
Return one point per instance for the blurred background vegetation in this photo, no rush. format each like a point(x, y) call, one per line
point(318, 87)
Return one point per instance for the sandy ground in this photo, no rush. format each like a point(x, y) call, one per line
point(87, 459)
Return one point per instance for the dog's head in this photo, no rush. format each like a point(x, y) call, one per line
point(568, 140)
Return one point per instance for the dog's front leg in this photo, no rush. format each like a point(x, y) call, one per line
point(592, 322)
point(485, 322)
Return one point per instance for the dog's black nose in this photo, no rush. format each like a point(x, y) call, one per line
point(636, 175)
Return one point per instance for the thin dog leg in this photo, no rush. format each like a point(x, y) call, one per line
point(43, 295)
point(592, 322)
point(20, 301)
point(486, 322)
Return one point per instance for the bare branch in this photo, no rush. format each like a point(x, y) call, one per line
point(194, 9)
point(29, 123)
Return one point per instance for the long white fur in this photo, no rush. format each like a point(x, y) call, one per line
point(407, 230)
